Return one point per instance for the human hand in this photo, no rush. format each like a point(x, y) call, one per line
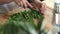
point(43, 8)
point(36, 4)
point(23, 3)
point(39, 6)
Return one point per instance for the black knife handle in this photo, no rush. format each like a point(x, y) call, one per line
point(29, 1)
point(41, 0)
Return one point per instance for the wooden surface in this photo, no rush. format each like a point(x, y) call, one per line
point(4, 17)
point(47, 23)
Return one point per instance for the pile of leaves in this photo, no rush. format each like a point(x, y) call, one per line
point(23, 23)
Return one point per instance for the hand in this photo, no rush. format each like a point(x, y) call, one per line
point(39, 6)
point(36, 4)
point(23, 3)
point(43, 8)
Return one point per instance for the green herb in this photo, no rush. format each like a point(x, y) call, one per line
point(23, 23)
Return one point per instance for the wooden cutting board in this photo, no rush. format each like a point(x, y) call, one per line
point(46, 23)
point(4, 17)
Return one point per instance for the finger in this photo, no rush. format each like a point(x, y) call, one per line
point(24, 3)
point(29, 5)
point(21, 4)
point(36, 7)
point(43, 8)
point(18, 2)
point(33, 6)
point(40, 6)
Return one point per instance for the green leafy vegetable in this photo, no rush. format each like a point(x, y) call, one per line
point(23, 23)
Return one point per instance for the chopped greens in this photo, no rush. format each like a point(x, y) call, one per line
point(23, 23)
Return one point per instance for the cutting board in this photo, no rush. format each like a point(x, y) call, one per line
point(46, 22)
